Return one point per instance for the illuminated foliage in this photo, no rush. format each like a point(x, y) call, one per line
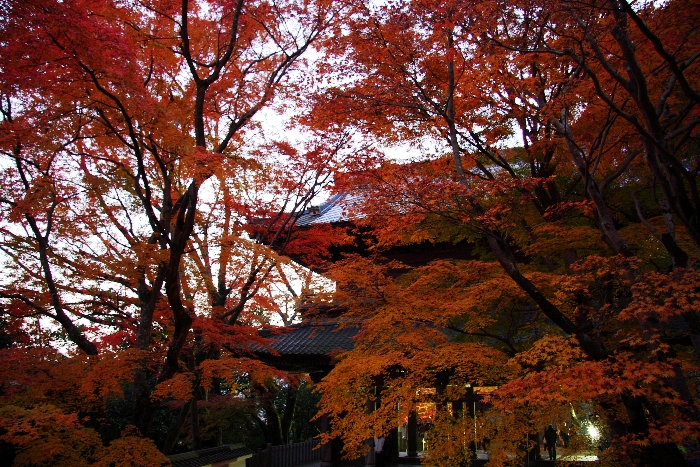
point(575, 237)
point(145, 217)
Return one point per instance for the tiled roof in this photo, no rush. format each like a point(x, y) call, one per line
point(209, 456)
point(331, 211)
point(320, 337)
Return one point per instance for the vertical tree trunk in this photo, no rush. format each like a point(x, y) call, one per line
point(288, 416)
point(176, 429)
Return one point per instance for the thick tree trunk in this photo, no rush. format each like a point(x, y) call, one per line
point(652, 454)
point(146, 409)
point(606, 222)
point(194, 419)
point(176, 429)
point(194, 411)
point(548, 308)
point(672, 177)
point(288, 415)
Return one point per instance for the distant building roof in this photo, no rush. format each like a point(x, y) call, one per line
point(310, 345)
point(334, 210)
point(317, 337)
point(210, 456)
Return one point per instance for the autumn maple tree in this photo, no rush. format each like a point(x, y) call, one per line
point(146, 213)
point(582, 291)
point(132, 162)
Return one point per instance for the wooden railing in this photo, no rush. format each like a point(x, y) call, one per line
point(287, 455)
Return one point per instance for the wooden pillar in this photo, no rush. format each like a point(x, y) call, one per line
point(469, 410)
point(412, 434)
point(458, 409)
point(370, 457)
point(370, 406)
point(326, 448)
point(391, 446)
point(440, 402)
point(268, 455)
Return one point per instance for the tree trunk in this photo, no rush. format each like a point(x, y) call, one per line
point(288, 416)
point(174, 432)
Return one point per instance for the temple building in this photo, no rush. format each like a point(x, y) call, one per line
point(313, 345)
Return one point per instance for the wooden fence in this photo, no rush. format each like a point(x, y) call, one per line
point(287, 455)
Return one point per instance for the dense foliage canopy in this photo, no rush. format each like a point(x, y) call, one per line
point(146, 210)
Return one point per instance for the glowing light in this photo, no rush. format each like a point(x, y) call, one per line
point(593, 431)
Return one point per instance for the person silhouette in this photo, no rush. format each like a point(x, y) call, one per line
point(379, 451)
point(551, 436)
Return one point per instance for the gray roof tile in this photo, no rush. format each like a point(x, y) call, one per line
point(317, 337)
point(332, 211)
